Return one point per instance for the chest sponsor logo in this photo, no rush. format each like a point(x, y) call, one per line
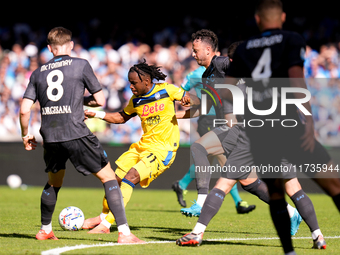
point(152, 108)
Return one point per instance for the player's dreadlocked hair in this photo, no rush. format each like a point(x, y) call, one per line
point(143, 69)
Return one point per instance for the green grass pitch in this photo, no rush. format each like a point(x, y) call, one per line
point(153, 215)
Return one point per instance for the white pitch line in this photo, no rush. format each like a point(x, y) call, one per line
point(58, 251)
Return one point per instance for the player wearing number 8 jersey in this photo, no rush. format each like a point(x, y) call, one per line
point(59, 86)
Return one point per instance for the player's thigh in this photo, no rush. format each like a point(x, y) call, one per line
point(211, 141)
point(310, 163)
point(126, 161)
point(55, 157)
point(86, 154)
point(153, 164)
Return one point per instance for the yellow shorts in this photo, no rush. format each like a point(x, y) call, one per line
point(148, 163)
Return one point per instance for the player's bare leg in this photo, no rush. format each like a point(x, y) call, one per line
point(48, 201)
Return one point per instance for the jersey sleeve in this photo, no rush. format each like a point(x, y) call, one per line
point(296, 50)
point(91, 82)
point(174, 92)
point(129, 109)
point(31, 90)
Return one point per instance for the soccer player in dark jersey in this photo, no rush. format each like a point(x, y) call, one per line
point(204, 46)
point(59, 87)
point(236, 146)
point(278, 54)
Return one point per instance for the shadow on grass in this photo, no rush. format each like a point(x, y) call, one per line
point(17, 235)
point(154, 210)
point(28, 236)
point(182, 231)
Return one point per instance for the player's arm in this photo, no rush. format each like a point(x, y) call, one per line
point(189, 113)
point(296, 75)
point(95, 100)
point(112, 117)
point(194, 111)
point(190, 100)
point(25, 113)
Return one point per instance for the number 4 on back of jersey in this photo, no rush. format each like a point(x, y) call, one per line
point(263, 71)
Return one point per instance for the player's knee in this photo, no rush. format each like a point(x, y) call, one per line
point(198, 149)
point(106, 174)
point(133, 176)
point(292, 186)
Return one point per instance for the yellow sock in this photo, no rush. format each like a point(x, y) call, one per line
point(126, 193)
point(106, 208)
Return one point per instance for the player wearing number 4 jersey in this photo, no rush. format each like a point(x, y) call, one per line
point(270, 61)
point(59, 86)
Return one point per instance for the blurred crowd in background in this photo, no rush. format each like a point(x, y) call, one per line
point(169, 49)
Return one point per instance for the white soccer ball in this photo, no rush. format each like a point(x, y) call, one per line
point(71, 218)
point(14, 181)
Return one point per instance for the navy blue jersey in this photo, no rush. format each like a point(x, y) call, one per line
point(264, 61)
point(268, 55)
point(59, 86)
point(216, 70)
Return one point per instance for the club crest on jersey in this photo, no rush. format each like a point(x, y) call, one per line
point(157, 96)
point(149, 109)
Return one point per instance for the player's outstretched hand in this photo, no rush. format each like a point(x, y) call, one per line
point(89, 114)
point(29, 142)
point(308, 137)
point(185, 101)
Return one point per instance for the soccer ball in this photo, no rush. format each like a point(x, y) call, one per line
point(71, 218)
point(14, 181)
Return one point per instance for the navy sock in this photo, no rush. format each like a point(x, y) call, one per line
point(306, 209)
point(47, 203)
point(200, 156)
point(211, 206)
point(115, 201)
point(259, 189)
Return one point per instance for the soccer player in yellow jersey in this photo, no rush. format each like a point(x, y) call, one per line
point(156, 150)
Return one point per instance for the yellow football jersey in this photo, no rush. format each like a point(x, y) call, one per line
point(157, 113)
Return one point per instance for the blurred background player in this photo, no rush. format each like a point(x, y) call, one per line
point(59, 87)
point(156, 150)
point(205, 124)
point(236, 146)
point(204, 46)
point(282, 56)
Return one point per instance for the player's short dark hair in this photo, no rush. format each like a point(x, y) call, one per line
point(268, 4)
point(208, 36)
point(143, 69)
point(59, 36)
point(232, 48)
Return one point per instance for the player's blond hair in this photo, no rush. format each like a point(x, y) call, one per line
point(59, 36)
